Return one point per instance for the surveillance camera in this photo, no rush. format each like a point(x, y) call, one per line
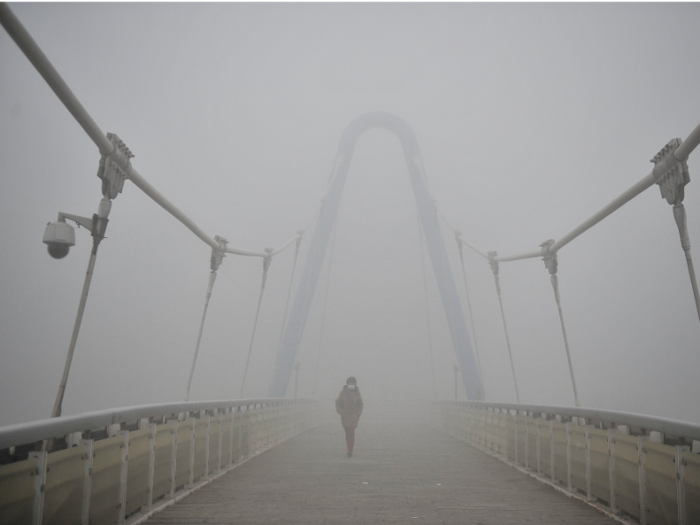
point(59, 237)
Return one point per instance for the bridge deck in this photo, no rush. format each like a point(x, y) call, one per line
point(400, 473)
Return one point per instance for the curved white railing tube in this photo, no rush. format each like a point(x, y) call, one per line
point(670, 427)
point(620, 201)
point(42, 64)
point(36, 431)
point(286, 244)
point(469, 245)
point(519, 257)
point(52, 77)
point(688, 145)
point(680, 154)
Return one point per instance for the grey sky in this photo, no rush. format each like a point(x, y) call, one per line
point(529, 118)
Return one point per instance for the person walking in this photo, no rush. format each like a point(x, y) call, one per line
point(349, 406)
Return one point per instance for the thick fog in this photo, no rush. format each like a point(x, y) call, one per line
point(530, 118)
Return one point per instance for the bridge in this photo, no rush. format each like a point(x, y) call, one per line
point(280, 458)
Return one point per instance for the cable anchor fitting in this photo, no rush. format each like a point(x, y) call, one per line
point(493, 262)
point(114, 168)
point(218, 253)
point(670, 173)
point(549, 257)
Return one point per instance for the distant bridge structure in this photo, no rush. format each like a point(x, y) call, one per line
point(436, 247)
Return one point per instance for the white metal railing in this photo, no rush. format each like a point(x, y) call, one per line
point(122, 465)
point(624, 464)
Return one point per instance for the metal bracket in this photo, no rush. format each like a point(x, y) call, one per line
point(549, 257)
point(114, 168)
point(493, 262)
point(671, 174)
point(268, 259)
point(218, 254)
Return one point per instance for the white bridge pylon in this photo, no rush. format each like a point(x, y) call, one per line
point(436, 247)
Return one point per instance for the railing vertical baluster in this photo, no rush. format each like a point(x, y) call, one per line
point(527, 440)
point(193, 431)
point(680, 483)
point(611, 468)
point(551, 449)
point(123, 476)
point(151, 463)
point(230, 437)
point(537, 429)
point(515, 426)
point(568, 457)
point(589, 493)
point(206, 449)
point(87, 480)
point(642, 480)
point(173, 458)
point(39, 484)
point(221, 439)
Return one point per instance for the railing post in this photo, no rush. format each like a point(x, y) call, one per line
point(151, 463)
point(611, 468)
point(87, 480)
point(515, 426)
point(173, 458)
point(206, 448)
point(680, 483)
point(39, 484)
point(568, 457)
point(642, 480)
point(123, 476)
point(537, 428)
point(221, 439)
point(551, 448)
point(230, 437)
point(193, 431)
point(589, 493)
point(527, 442)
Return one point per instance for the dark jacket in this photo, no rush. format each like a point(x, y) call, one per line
point(349, 406)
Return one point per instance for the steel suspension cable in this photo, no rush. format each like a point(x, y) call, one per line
point(217, 257)
point(266, 266)
point(286, 306)
point(451, 320)
point(551, 263)
point(323, 313)
point(210, 287)
point(471, 315)
point(494, 268)
point(427, 308)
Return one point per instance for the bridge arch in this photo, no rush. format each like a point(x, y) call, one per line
point(436, 247)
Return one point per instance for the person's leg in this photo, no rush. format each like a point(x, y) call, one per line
point(350, 439)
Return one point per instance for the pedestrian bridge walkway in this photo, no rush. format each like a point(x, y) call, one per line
point(402, 471)
point(284, 461)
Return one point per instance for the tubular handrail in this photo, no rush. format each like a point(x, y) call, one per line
point(667, 426)
point(35, 431)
